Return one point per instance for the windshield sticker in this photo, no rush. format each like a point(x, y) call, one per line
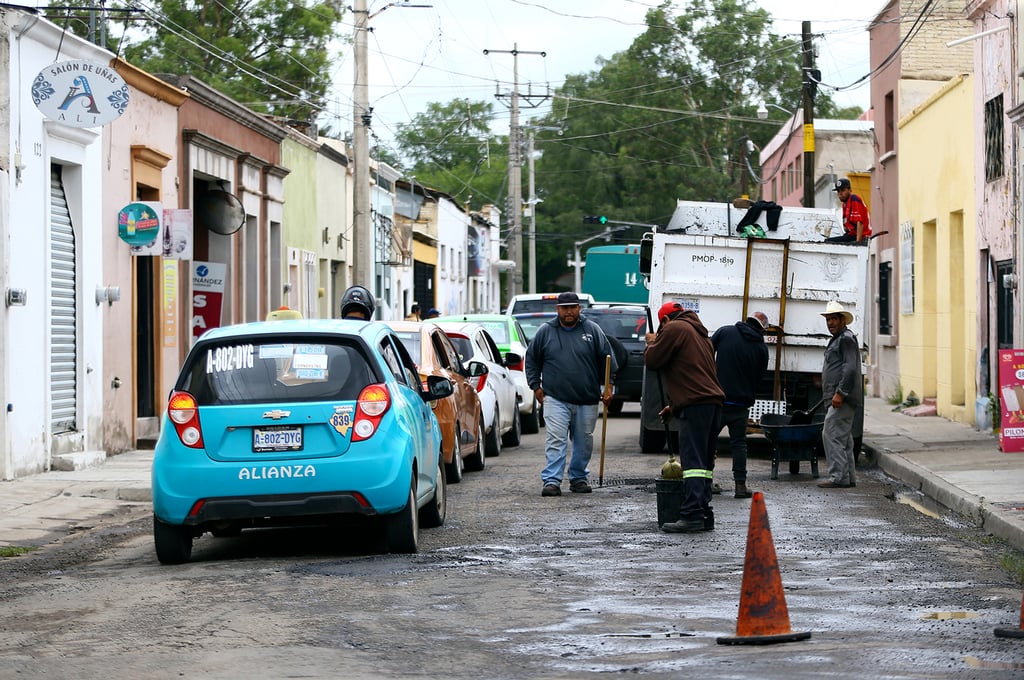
point(224, 359)
point(310, 349)
point(309, 361)
point(276, 351)
point(341, 421)
point(317, 374)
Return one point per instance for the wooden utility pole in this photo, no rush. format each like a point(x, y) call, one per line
point(515, 169)
point(809, 89)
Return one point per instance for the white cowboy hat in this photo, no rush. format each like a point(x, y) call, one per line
point(834, 307)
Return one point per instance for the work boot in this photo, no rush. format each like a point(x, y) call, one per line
point(551, 490)
point(716, 488)
point(742, 491)
point(684, 526)
point(579, 486)
point(709, 521)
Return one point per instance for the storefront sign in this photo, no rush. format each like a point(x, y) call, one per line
point(1011, 400)
point(138, 225)
point(208, 279)
point(170, 303)
point(80, 93)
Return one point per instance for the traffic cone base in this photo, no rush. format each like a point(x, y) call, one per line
point(763, 617)
point(1018, 632)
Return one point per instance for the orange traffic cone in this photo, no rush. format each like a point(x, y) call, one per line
point(1013, 632)
point(763, 617)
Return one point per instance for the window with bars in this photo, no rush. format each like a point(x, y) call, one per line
point(994, 138)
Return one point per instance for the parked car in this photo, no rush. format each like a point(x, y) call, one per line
point(626, 328)
point(531, 321)
point(510, 336)
point(460, 415)
point(541, 302)
point(293, 422)
point(499, 396)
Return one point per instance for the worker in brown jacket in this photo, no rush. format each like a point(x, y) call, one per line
point(682, 352)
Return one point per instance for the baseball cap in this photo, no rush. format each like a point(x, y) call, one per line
point(568, 299)
point(668, 308)
point(841, 184)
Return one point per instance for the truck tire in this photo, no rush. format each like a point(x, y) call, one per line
point(652, 441)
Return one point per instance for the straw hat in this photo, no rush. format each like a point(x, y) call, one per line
point(834, 307)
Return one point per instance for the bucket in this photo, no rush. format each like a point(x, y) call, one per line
point(670, 499)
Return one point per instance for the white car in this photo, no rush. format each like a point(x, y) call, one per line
point(541, 302)
point(499, 395)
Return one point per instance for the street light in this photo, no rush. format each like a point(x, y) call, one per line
point(762, 110)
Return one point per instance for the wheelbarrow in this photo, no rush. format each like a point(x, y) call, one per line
point(793, 443)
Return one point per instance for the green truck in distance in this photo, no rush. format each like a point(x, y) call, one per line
point(612, 274)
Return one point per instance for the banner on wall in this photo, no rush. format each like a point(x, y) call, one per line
point(1011, 400)
point(139, 225)
point(207, 295)
point(177, 233)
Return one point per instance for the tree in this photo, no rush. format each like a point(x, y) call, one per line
point(451, 147)
point(270, 55)
point(667, 119)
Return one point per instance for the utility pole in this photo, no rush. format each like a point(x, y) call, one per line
point(362, 230)
point(532, 201)
point(363, 271)
point(515, 165)
point(810, 87)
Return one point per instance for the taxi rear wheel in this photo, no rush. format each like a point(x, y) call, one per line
point(433, 513)
point(531, 421)
point(402, 527)
point(494, 438)
point(478, 460)
point(453, 470)
point(513, 436)
point(173, 543)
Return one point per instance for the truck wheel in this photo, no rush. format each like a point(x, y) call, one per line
point(651, 441)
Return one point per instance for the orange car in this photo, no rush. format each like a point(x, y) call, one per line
point(459, 415)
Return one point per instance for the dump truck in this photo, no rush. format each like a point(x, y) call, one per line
point(701, 261)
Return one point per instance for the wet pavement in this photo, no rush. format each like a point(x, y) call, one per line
point(948, 463)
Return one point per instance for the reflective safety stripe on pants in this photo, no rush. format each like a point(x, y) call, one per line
point(706, 474)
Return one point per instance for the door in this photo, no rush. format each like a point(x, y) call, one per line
point(63, 311)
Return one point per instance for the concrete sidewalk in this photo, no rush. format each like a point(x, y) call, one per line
point(948, 462)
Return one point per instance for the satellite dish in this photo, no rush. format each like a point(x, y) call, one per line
point(220, 212)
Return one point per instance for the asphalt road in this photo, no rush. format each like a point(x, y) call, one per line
point(515, 585)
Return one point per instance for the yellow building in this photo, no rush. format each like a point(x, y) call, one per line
point(937, 292)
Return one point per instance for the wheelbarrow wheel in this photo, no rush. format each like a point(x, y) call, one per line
point(794, 467)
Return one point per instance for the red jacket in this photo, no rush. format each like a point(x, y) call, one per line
point(855, 211)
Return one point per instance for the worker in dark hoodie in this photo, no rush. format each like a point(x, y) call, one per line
point(682, 352)
point(742, 359)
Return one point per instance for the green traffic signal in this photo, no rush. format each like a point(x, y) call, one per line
point(595, 219)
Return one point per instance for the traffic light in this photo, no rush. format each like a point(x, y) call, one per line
point(595, 219)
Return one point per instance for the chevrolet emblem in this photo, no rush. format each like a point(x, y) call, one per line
point(276, 414)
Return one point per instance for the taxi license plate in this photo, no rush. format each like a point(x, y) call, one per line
point(281, 438)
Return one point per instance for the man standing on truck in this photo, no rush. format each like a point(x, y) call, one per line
point(682, 351)
point(856, 228)
point(840, 380)
point(742, 358)
point(565, 367)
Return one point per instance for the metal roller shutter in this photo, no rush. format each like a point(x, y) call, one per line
point(63, 320)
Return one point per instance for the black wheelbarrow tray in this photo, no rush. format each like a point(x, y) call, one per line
point(793, 443)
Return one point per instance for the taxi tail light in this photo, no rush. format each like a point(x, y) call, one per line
point(480, 382)
point(184, 413)
point(374, 401)
point(521, 366)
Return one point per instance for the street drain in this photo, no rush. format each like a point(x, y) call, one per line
point(947, 616)
point(624, 481)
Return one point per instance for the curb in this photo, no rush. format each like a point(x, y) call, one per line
point(985, 515)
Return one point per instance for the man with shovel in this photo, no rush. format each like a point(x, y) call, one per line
point(842, 384)
point(682, 352)
point(742, 358)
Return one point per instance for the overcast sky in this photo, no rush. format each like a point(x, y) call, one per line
point(424, 54)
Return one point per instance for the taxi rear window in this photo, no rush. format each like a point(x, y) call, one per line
point(258, 370)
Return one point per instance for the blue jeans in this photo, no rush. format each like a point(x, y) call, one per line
point(564, 422)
